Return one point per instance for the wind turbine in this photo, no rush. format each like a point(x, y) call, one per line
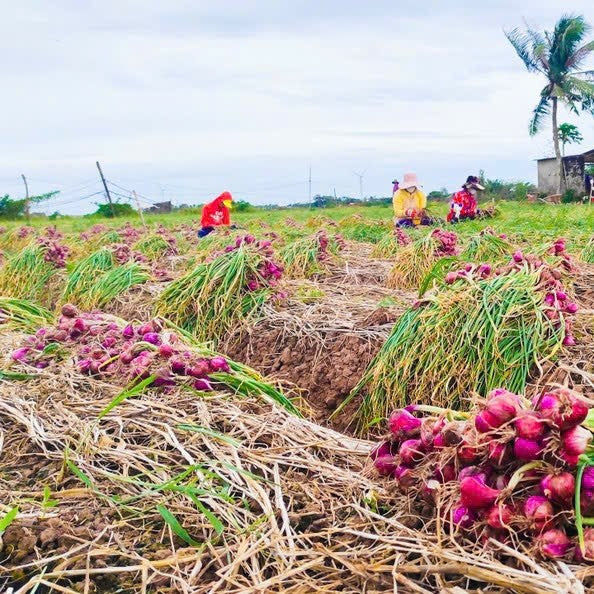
point(360, 176)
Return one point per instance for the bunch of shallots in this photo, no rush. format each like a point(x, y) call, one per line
point(556, 303)
point(123, 253)
point(102, 348)
point(507, 472)
point(402, 237)
point(24, 231)
point(447, 242)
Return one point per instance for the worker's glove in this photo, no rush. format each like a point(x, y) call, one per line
point(457, 210)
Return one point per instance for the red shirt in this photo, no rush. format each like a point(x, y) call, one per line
point(215, 213)
point(464, 199)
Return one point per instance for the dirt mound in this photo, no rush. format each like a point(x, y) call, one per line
point(322, 346)
point(324, 376)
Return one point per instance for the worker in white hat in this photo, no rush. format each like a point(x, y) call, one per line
point(409, 203)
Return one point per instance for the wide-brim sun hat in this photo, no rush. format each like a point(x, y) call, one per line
point(410, 180)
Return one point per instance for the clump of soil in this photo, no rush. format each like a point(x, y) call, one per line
point(322, 346)
point(324, 366)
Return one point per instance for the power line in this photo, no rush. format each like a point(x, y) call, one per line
point(71, 195)
point(64, 203)
point(75, 187)
point(130, 198)
point(120, 195)
point(209, 191)
point(150, 200)
point(109, 181)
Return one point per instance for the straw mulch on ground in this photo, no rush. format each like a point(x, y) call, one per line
point(172, 492)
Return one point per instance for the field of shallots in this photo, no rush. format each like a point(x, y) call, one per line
point(310, 401)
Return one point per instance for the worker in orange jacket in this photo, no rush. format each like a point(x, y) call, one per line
point(216, 214)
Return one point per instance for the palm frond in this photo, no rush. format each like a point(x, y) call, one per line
point(541, 47)
point(522, 43)
point(541, 111)
point(580, 54)
point(569, 33)
point(582, 92)
point(541, 54)
point(580, 88)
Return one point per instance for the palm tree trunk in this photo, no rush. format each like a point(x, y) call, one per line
point(556, 144)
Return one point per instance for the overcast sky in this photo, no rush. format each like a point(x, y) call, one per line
point(185, 99)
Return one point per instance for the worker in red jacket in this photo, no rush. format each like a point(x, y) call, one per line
point(216, 213)
point(463, 204)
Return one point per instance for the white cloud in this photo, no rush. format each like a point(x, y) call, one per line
point(209, 95)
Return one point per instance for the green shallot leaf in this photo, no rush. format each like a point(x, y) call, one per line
point(8, 518)
point(177, 528)
point(215, 522)
point(128, 393)
point(211, 433)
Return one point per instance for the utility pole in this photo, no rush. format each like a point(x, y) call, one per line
point(360, 176)
point(106, 190)
point(310, 184)
point(27, 213)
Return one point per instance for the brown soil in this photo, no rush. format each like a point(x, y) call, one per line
point(325, 378)
point(322, 348)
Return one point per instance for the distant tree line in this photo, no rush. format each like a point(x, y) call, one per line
point(15, 209)
point(494, 189)
point(320, 201)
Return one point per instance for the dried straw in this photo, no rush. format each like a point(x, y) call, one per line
point(273, 503)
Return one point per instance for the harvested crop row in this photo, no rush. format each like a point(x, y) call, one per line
point(216, 296)
point(98, 279)
point(473, 336)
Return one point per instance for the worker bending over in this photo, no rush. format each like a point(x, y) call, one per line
point(463, 204)
point(216, 214)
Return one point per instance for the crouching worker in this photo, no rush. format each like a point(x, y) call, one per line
point(216, 214)
point(410, 203)
point(463, 204)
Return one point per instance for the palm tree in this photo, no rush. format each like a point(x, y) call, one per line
point(569, 134)
point(558, 55)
